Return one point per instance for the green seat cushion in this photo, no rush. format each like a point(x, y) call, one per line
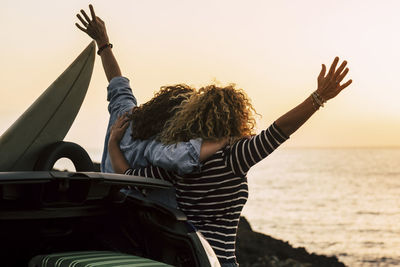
point(92, 259)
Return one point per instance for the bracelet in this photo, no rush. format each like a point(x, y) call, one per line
point(315, 105)
point(104, 47)
point(318, 99)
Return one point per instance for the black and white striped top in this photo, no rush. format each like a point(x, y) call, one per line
point(213, 199)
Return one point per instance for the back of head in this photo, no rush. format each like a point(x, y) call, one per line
point(150, 117)
point(214, 113)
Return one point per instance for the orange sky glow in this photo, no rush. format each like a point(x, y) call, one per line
point(272, 49)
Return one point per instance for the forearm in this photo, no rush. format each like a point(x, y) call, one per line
point(295, 118)
point(110, 64)
point(118, 161)
point(181, 157)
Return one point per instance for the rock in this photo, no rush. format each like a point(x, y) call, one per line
point(256, 249)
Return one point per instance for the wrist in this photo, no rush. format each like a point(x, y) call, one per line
point(106, 46)
point(112, 143)
point(314, 104)
point(317, 100)
point(322, 95)
point(101, 42)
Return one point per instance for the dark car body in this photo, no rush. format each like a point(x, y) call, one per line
point(43, 212)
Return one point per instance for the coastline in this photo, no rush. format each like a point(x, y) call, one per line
point(255, 249)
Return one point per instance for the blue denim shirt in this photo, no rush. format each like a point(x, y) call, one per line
point(181, 157)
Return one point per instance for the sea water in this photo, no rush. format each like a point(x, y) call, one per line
point(343, 202)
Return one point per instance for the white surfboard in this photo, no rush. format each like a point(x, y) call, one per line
point(49, 118)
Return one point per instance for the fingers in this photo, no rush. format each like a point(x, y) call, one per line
point(335, 76)
point(126, 119)
point(85, 23)
point(345, 84)
point(339, 70)
point(333, 66)
point(120, 125)
point(87, 20)
point(80, 27)
point(91, 26)
point(118, 129)
point(322, 73)
point(125, 125)
point(330, 85)
point(121, 121)
point(85, 15)
point(92, 12)
point(341, 76)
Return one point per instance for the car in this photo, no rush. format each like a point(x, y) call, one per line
point(47, 212)
point(82, 217)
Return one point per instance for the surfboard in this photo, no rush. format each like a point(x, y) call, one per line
point(49, 118)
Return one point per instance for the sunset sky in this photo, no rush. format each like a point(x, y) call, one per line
point(272, 49)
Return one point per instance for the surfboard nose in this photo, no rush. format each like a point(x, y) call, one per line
point(49, 118)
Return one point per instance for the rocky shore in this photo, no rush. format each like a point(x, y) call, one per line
point(256, 250)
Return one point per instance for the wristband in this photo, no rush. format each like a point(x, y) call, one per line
point(317, 100)
point(104, 47)
point(314, 103)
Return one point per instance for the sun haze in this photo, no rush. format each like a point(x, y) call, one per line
point(272, 49)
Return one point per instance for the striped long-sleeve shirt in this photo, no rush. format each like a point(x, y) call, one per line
point(213, 199)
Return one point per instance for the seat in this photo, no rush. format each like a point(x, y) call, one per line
point(92, 258)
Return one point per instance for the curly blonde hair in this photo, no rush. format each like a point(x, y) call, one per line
point(214, 113)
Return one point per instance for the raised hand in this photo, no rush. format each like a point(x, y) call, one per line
point(94, 27)
point(329, 86)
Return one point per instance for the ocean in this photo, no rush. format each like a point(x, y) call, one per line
point(342, 202)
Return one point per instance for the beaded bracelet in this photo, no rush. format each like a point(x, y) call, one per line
point(317, 100)
point(104, 47)
point(319, 97)
point(315, 104)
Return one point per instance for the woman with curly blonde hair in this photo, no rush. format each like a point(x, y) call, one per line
point(212, 114)
point(213, 198)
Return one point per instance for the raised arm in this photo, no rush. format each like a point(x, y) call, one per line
point(328, 87)
point(96, 29)
point(247, 152)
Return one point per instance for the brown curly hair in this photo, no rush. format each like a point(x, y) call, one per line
point(149, 118)
point(214, 113)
